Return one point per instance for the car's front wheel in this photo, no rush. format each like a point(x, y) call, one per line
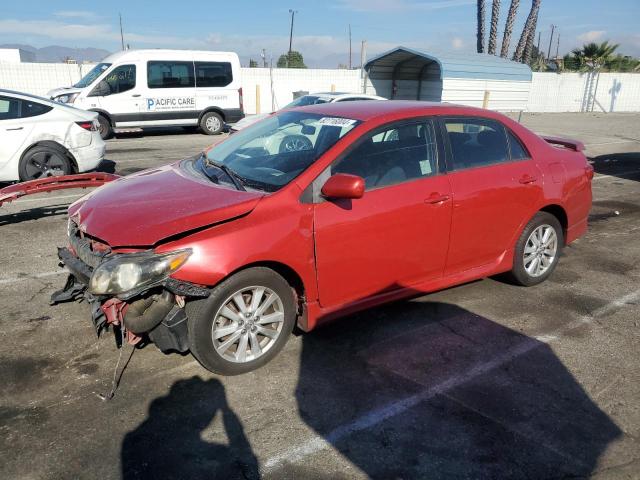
point(244, 323)
point(537, 250)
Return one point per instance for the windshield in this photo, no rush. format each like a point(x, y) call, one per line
point(94, 73)
point(307, 100)
point(274, 151)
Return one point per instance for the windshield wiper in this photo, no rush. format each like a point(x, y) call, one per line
point(237, 180)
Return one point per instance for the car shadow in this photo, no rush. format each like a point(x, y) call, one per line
point(168, 443)
point(622, 165)
point(421, 389)
point(33, 214)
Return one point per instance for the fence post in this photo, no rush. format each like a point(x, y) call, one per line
point(485, 100)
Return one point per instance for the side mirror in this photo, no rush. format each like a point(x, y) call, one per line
point(342, 185)
point(100, 90)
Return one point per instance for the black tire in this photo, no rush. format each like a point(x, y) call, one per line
point(519, 273)
point(105, 128)
point(201, 315)
point(44, 161)
point(212, 123)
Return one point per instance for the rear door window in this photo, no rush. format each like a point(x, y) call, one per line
point(213, 74)
point(9, 108)
point(517, 149)
point(168, 74)
point(476, 142)
point(14, 108)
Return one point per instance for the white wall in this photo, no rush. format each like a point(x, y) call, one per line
point(548, 92)
point(574, 92)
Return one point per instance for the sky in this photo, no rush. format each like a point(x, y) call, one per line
point(320, 29)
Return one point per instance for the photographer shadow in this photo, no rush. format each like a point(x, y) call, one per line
point(168, 444)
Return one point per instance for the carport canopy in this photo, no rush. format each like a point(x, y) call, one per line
point(405, 64)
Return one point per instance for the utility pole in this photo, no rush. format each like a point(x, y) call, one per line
point(363, 59)
point(553, 27)
point(349, 46)
point(264, 58)
point(293, 14)
point(558, 45)
point(121, 34)
point(538, 46)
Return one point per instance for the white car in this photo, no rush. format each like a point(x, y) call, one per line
point(41, 138)
point(310, 99)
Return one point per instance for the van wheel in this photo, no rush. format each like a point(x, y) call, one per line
point(104, 127)
point(211, 123)
point(244, 323)
point(44, 161)
point(537, 250)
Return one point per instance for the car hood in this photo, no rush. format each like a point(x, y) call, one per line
point(63, 90)
point(147, 207)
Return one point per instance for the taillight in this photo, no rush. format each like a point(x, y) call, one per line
point(241, 100)
point(89, 126)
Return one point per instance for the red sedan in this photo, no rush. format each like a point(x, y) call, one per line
point(317, 212)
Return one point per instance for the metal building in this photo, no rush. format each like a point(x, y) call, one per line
point(473, 79)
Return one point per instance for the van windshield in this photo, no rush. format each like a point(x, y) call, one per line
point(274, 151)
point(94, 73)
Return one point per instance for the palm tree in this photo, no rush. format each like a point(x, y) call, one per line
point(480, 35)
point(508, 28)
point(493, 33)
point(593, 56)
point(529, 26)
point(528, 46)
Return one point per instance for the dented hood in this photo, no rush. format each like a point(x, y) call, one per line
point(147, 207)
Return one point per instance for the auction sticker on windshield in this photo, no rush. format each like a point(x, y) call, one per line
point(336, 121)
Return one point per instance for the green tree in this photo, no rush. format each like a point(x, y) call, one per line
point(253, 63)
point(622, 63)
point(592, 56)
point(291, 60)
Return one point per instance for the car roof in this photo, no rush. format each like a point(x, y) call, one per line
point(367, 110)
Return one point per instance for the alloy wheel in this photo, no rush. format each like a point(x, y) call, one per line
point(540, 250)
point(248, 324)
point(45, 164)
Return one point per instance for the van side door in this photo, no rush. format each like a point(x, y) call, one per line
point(169, 97)
point(118, 93)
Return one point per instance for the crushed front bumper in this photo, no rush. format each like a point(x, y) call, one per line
point(154, 314)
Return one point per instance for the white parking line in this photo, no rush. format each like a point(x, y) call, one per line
point(392, 409)
point(20, 278)
point(610, 143)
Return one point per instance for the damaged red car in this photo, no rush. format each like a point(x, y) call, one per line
point(317, 212)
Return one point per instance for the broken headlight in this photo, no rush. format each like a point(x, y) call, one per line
point(132, 271)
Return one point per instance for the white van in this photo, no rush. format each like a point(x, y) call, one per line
point(144, 88)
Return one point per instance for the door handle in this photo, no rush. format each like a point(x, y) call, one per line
point(135, 95)
point(17, 128)
point(436, 198)
point(527, 179)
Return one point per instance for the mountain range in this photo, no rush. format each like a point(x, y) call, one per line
point(56, 53)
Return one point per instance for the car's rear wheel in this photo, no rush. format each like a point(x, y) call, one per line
point(104, 127)
point(537, 250)
point(211, 123)
point(244, 323)
point(44, 161)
